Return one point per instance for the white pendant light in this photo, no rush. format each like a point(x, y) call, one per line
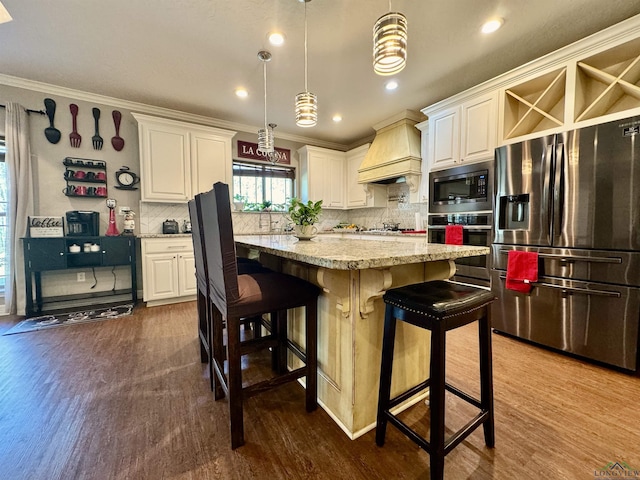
point(266, 144)
point(390, 43)
point(306, 102)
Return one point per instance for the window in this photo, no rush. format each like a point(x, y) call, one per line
point(3, 215)
point(260, 185)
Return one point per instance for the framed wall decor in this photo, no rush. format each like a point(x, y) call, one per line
point(39, 227)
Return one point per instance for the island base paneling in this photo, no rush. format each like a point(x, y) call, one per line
point(350, 327)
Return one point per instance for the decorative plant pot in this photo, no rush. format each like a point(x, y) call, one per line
point(238, 206)
point(305, 232)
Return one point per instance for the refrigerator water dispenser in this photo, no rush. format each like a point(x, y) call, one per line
point(514, 212)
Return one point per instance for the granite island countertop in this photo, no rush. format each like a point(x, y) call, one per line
point(355, 254)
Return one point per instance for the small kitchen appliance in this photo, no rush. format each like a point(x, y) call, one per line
point(83, 223)
point(170, 227)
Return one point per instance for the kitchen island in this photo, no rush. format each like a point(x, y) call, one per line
point(354, 274)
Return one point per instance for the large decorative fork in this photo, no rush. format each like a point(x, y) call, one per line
point(97, 139)
point(74, 136)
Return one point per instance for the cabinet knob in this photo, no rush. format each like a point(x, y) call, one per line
point(61, 253)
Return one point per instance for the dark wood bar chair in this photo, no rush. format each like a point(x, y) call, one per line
point(438, 306)
point(245, 265)
point(237, 296)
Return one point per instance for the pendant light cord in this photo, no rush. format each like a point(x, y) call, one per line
point(264, 70)
point(306, 89)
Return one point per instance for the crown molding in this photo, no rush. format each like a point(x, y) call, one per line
point(51, 89)
point(617, 34)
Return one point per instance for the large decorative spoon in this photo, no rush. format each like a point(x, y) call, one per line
point(52, 133)
point(117, 141)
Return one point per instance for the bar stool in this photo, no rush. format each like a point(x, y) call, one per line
point(235, 297)
point(245, 265)
point(438, 306)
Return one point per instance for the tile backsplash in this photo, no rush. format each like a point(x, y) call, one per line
point(153, 214)
point(398, 210)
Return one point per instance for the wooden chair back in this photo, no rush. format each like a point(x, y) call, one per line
point(219, 247)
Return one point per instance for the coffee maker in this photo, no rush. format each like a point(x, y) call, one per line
point(83, 224)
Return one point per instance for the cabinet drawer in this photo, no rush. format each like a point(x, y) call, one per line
point(167, 245)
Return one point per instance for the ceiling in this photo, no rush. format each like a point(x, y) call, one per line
point(190, 55)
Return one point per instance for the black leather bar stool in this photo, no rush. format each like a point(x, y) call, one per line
point(438, 306)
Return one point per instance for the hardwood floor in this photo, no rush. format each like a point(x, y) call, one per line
point(129, 399)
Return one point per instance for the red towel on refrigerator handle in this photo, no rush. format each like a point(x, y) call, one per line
point(453, 235)
point(522, 270)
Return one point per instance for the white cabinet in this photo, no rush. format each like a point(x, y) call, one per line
point(479, 128)
point(168, 270)
point(187, 283)
point(361, 195)
point(179, 160)
point(444, 128)
point(422, 195)
point(323, 176)
point(212, 160)
point(464, 133)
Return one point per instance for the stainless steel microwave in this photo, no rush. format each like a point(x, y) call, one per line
point(468, 188)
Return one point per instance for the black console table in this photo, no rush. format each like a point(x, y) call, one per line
point(43, 254)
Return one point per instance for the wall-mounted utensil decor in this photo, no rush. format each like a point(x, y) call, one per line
point(97, 139)
point(117, 141)
point(74, 136)
point(52, 133)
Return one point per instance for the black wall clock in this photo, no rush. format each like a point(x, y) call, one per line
point(126, 179)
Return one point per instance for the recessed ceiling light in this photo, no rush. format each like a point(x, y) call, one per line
point(242, 92)
point(4, 15)
point(276, 38)
point(492, 25)
point(337, 118)
point(391, 85)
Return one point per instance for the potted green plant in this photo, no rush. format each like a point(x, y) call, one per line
point(238, 202)
point(304, 216)
point(266, 206)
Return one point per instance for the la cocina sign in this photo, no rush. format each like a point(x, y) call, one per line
point(250, 151)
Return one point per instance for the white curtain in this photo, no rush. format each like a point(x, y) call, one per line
point(20, 203)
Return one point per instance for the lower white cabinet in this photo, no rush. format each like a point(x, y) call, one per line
point(168, 270)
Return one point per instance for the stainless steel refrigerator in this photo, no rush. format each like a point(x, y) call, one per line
point(574, 198)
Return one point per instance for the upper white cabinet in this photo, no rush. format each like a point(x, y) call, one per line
point(463, 133)
point(179, 160)
point(444, 132)
point(323, 176)
point(211, 159)
point(360, 195)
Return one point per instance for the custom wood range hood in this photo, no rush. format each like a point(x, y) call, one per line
point(394, 155)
